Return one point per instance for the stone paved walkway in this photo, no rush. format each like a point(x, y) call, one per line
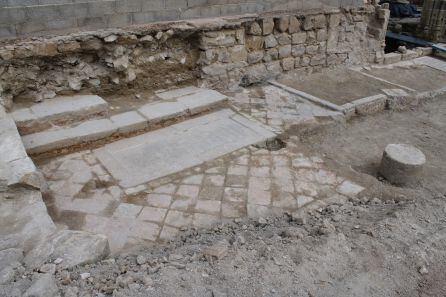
point(249, 182)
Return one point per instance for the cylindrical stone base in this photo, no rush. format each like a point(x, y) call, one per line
point(402, 164)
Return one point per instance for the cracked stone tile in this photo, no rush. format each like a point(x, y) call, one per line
point(183, 203)
point(126, 210)
point(152, 214)
point(263, 171)
point(238, 170)
point(258, 196)
point(260, 183)
point(159, 200)
point(283, 184)
point(90, 159)
point(238, 181)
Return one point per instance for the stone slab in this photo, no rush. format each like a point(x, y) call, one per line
point(432, 62)
point(201, 101)
point(55, 139)
point(129, 121)
point(169, 150)
point(60, 108)
point(163, 111)
point(172, 94)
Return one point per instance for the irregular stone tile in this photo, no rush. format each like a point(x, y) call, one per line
point(349, 189)
point(183, 203)
point(152, 214)
point(126, 210)
point(178, 218)
point(159, 200)
point(165, 189)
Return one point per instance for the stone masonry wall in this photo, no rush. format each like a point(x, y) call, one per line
point(41, 17)
point(221, 53)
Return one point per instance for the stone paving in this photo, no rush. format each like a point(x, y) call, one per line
point(280, 109)
point(249, 182)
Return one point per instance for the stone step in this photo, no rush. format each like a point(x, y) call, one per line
point(138, 160)
point(57, 111)
point(180, 103)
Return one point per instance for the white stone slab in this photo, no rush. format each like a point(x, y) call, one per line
point(177, 93)
point(158, 112)
point(201, 101)
point(60, 108)
point(129, 121)
point(169, 150)
point(55, 139)
point(432, 62)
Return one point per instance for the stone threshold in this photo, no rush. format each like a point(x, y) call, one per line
point(175, 106)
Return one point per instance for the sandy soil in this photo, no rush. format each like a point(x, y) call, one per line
point(366, 247)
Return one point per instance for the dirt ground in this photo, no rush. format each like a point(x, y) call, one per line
point(367, 247)
point(339, 86)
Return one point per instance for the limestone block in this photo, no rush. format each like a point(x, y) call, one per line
point(284, 51)
point(288, 64)
point(298, 50)
point(370, 105)
point(282, 23)
point(402, 164)
point(254, 42)
point(392, 58)
point(255, 57)
point(238, 53)
point(270, 41)
point(294, 25)
point(299, 38)
point(283, 39)
point(44, 286)
point(267, 25)
point(254, 29)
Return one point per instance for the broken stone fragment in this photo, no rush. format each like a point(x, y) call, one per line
point(44, 286)
point(75, 247)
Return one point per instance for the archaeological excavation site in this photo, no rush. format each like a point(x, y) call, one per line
point(223, 148)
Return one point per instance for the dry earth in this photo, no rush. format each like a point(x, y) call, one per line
point(367, 247)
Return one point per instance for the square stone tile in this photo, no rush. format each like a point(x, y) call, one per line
point(204, 220)
point(208, 206)
point(233, 210)
point(188, 191)
point(145, 230)
point(168, 232)
point(237, 181)
point(152, 214)
point(235, 194)
point(258, 196)
point(260, 183)
point(159, 200)
point(238, 170)
point(127, 210)
point(260, 160)
point(263, 171)
point(211, 193)
point(214, 180)
point(178, 218)
point(183, 203)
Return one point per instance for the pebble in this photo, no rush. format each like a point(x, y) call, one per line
point(58, 261)
point(423, 270)
point(85, 275)
point(140, 259)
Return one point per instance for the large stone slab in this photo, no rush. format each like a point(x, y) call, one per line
point(66, 108)
point(432, 62)
point(166, 151)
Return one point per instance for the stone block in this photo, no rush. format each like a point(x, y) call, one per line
point(158, 112)
point(294, 25)
point(392, 58)
point(255, 57)
point(299, 38)
point(409, 55)
point(267, 25)
point(288, 64)
point(270, 41)
point(282, 23)
point(254, 43)
point(298, 50)
point(129, 122)
point(201, 101)
point(255, 29)
point(283, 39)
point(370, 105)
point(284, 51)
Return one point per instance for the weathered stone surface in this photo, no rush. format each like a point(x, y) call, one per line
point(129, 121)
point(391, 58)
point(190, 143)
point(74, 247)
point(59, 108)
point(267, 26)
point(44, 286)
point(285, 51)
point(299, 38)
point(254, 29)
point(294, 25)
point(283, 23)
point(270, 41)
point(402, 163)
point(254, 57)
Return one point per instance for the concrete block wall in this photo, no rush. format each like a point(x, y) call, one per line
point(21, 18)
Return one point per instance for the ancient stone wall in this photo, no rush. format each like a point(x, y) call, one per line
point(38, 17)
point(222, 53)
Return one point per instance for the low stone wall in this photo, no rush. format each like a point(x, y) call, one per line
point(41, 17)
point(221, 53)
